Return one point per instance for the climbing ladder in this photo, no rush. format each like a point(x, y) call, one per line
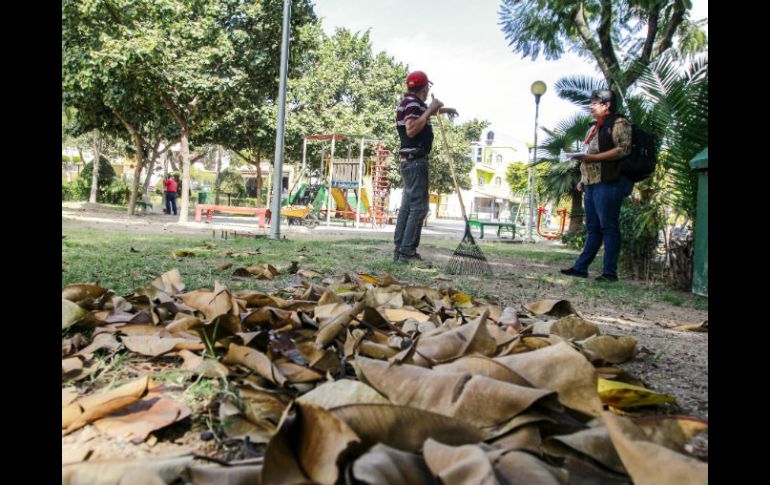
point(380, 184)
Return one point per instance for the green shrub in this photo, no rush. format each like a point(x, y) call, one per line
point(106, 175)
point(576, 240)
point(640, 225)
point(118, 192)
point(66, 192)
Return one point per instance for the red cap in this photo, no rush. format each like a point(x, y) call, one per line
point(417, 79)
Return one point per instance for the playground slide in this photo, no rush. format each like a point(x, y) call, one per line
point(339, 200)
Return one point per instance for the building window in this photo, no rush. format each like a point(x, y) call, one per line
point(498, 181)
point(478, 155)
point(481, 181)
point(499, 159)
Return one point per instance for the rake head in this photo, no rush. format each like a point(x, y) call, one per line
point(468, 258)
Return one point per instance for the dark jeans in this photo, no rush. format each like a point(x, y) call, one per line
point(170, 202)
point(602, 203)
point(414, 206)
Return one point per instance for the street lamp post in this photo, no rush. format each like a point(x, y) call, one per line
point(538, 89)
point(275, 208)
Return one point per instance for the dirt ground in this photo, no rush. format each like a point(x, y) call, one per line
point(672, 362)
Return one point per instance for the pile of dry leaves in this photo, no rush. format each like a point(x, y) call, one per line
point(360, 379)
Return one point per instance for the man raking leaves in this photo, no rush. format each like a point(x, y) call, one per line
point(416, 135)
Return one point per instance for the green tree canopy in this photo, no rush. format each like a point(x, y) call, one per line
point(622, 36)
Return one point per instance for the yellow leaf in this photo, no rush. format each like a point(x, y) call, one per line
point(461, 298)
point(370, 279)
point(622, 395)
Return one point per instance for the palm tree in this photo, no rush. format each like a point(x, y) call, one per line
point(562, 177)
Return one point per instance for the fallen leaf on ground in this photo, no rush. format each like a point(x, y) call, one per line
point(606, 348)
point(556, 308)
point(93, 407)
point(383, 465)
point(137, 421)
point(110, 472)
point(223, 267)
point(76, 293)
point(622, 395)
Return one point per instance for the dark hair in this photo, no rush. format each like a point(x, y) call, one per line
point(606, 96)
point(416, 90)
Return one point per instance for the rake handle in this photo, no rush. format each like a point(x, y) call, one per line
point(451, 164)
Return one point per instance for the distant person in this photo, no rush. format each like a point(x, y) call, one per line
point(170, 186)
point(609, 140)
point(416, 134)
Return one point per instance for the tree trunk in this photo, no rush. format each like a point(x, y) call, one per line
point(147, 179)
point(184, 206)
point(438, 205)
point(576, 213)
point(137, 173)
point(259, 179)
point(219, 170)
point(173, 165)
point(95, 171)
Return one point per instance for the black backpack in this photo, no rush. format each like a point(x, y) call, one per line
point(640, 164)
point(642, 160)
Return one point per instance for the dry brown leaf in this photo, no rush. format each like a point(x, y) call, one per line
point(103, 403)
point(255, 361)
point(606, 348)
point(459, 464)
point(76, 293)
point(521, 467)
point(340, 393)
point(206, 367)
point(594, 443)
point(562, 369)
point(297, 373)
point(152, 345)
point(236, 425)
point(370, 279)
point(458, 395)
point(333, 327)
point(74, 453)
point(169, 282)
point(403, 427)
point(525, 437)
point(648, 462)
point(71, 313)
point(398, 315)
point(229, 475)
point(319, 438)
point(101, 341)
point(211, 303)
point(112, 472)
point(390, 297)
point(484, 366)
point(556, 308)
point(68, 395)
point(309, 273)
point(384, 465)
point(572, 327)
point(470, 338)
point(71, 365)
point(137, 421)
point(223, 267)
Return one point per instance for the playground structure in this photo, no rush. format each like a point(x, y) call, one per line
point(350, 180)
point(551, 235)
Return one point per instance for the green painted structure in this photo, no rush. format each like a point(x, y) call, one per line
point(700, 270)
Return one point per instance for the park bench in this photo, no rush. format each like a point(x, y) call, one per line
point(142, 206)
point(261, 212)
point(509, 226)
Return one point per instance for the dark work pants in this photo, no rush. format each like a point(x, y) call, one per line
point(414, 206)
point(602, 203)
point(171, 202)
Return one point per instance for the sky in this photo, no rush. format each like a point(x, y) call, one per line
point(462, 49)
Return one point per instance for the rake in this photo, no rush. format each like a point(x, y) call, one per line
point(467, 258)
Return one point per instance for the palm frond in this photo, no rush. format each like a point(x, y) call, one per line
point(577, 89)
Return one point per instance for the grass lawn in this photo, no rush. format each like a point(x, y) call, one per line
point(124, 261)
